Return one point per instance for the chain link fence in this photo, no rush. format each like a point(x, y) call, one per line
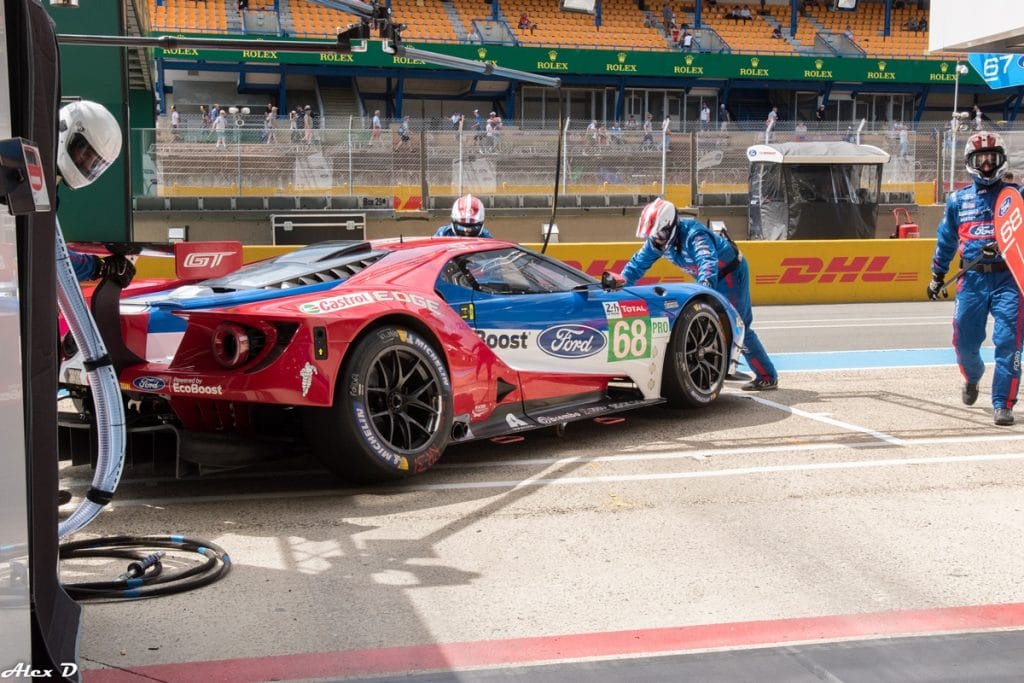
point(700, 167)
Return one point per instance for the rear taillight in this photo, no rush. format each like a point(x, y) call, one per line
point(231, 346)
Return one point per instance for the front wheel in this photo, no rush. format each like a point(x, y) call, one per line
point(697, 359)
point(392, 412)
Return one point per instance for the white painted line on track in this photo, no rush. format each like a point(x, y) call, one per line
point(786, 325)
point(510, 484)
point(828, 420)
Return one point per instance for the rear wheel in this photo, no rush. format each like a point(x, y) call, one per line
point(698, 358)
point(392, 412)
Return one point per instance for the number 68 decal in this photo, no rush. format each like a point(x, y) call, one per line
point(1009, 216)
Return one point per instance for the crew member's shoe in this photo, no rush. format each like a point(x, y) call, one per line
point(761, 384)
point(969, 394)
point(1003, 416)
point(740, 376)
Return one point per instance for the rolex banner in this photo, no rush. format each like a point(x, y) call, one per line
point(554, 62)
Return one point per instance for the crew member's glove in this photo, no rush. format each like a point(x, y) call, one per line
point(116, 268)
point(990, 250)
point(935, 286)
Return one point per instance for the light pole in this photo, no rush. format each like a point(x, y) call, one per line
point(954, 122)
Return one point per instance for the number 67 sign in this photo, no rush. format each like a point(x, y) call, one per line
point(1009, 225)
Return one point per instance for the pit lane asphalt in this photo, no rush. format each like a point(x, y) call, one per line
point(859, 504)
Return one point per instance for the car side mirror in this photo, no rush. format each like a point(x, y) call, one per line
point(611, 282)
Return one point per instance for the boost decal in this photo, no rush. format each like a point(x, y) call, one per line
point(504, 340)
point(571, 341)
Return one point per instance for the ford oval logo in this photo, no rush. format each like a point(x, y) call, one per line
point(571, 341)
point(1004, 207)
point(148, 383)
point(982, 230)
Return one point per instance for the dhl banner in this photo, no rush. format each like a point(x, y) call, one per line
point(796, 272)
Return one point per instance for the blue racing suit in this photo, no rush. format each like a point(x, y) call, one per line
point(715, 262)
point(449, 231)
point(84, 265)
point(987, 288)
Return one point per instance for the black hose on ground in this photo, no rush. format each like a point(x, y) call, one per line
point(144, 576)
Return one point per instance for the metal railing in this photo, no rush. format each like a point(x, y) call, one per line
point(704, 165)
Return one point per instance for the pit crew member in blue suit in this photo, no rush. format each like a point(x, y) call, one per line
point(987, 287)
point(714, 261)
point(88, 143)
point(467, 219)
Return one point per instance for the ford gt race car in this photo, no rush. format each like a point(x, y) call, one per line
point(380, 354)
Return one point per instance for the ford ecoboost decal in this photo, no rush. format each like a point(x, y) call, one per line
point(148, 383)
point(571, 341)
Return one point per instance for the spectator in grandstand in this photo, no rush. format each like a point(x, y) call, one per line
point(911, 25)
point(819, 113)
point(848, 33)
point(922, 23)
point(269, 124)
point(714, 261)
point(777, 33)
point(687, 42)
point(467, 219)
point(220, 127)
point(307, 125)
point(243, 5)
point(375, 127)
point(764, 10)
point(705, 116)
point(214, 113)
point(204, 117)
point(525, 23)
point(851, 136)
point(676, 36)
point(478, 126)
point(602, 134)
point(987, 287)
point(899, 4)
point(769, 125)
point(647, 141)
point(293, 125)
point(745, 14)
point(723, 117)
point(616, 133)
point(495, 122)
point(800, 131)
point(176, 117)
point(404, 133)
point(977, 117)
point(668, 17)
point(904, 140)
point(631, 122)
point(592, 132)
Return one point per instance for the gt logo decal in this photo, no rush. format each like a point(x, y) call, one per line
point(205, 259)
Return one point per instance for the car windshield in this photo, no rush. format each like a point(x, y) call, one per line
point(513, 271)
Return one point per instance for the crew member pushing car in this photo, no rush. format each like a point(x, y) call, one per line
point(714, 261)
point(89, 142)
point(467, 219)
point(988, 286)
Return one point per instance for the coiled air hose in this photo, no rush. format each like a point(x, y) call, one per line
point(106, 395)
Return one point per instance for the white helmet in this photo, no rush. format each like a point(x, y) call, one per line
point(89, 142)
point(982, 148)
point(468, 216)
point(659, 221)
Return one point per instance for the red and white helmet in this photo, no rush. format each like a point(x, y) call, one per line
point(985, 150)
point(659, 222)
point(468, 216)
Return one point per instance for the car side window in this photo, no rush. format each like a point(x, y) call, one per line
point(511, 271)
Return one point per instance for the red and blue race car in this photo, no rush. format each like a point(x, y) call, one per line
point(380, 354)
